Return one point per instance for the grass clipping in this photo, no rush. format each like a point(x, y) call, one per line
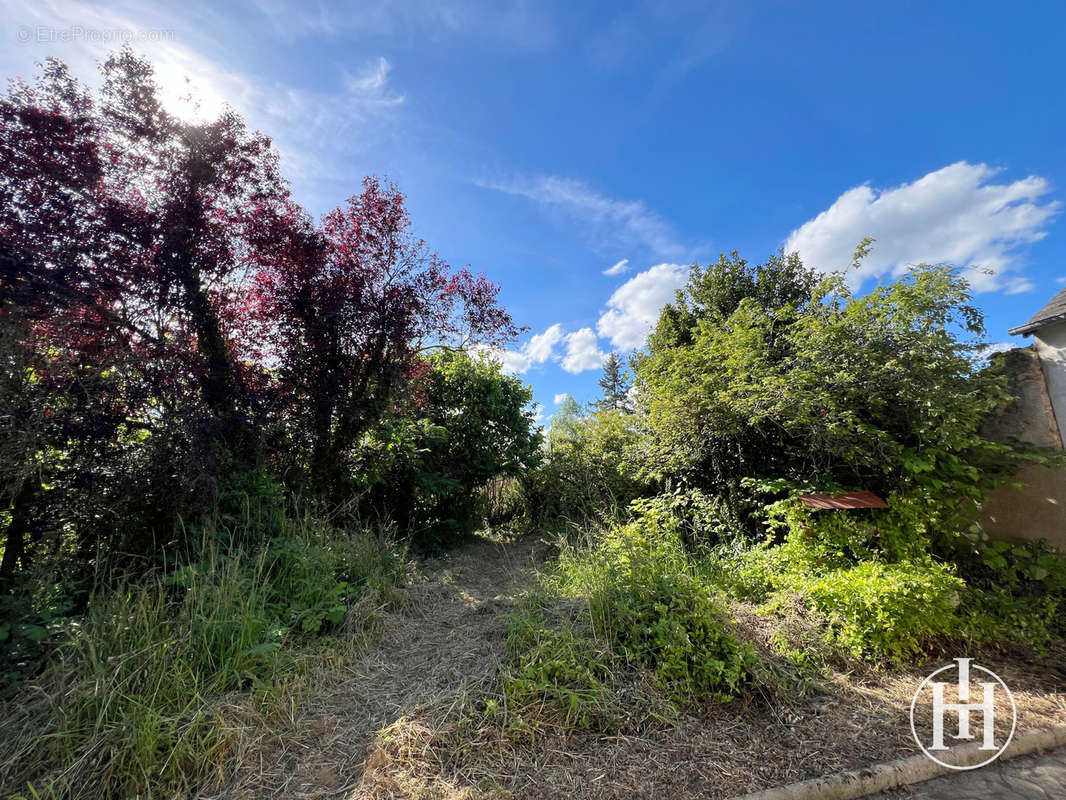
point(618, 638)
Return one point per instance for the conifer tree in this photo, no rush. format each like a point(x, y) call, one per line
point(615, 384)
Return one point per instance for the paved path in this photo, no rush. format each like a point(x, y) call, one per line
point(1040, 777)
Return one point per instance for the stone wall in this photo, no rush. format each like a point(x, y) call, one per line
point(1038, 509)
point(1050, 344)
point(1030, 417)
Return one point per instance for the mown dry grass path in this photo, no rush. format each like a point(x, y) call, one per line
point(383, 724)
point(445, 635)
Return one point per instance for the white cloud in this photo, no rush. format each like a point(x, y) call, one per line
point(317, 131)
point(1018, 285)
point(511, 361)
point(619, 268)
point(371, 79)
point(631, 313)
point(583, 351)
point(609, 222)
point(514, 23)
point(954, 215)
point(560, 397)
point(541, 347)
point(514, 362)
point(633, 309)
point(998, 347)
point(537, 350)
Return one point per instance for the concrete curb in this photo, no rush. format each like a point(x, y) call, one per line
point(904, 771)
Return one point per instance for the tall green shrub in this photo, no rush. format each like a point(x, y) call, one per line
point(772, 373)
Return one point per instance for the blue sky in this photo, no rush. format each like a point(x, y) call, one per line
point(545, 143)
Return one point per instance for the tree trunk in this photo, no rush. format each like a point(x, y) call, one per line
point(15, 540)
point(219, 383)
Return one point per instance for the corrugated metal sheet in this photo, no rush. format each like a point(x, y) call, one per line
point(859, 499)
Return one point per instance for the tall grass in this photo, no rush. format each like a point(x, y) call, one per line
point(155, 689)
point(641, 610)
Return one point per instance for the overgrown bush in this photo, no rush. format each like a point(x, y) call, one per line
point(467, 425)
point(887, 584)
point(701, 519)
point(868, 608)
point(147, 692)
point(560, 663)
point(777, 374)
point(904, 530)
point(1016, 590)
point(646, 598)
point(647, 609)
point(588, 471)
point(887, 610)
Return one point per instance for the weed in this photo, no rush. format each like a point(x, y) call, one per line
point(140, 699)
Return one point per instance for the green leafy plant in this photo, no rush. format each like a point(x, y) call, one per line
point(561, 665)
point(887, 610)
point(1017, 590)
point(647, 600)
point(625, 604)
point(865, 576)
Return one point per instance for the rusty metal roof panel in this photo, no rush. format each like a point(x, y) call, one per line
point(858, 499)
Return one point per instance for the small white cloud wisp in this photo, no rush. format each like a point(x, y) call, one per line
point(610, 223)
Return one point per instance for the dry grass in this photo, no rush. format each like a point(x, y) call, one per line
point(407, 719)
point(720, 751)
point(442, 639)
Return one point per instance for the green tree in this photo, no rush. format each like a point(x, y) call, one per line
point(564, 423)
point(716, 291)
point(615, 384)
point(775, 373)
point(590, 467)
point(469, 423)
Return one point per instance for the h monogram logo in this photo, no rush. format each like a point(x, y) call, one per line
point(986, 707)
point(964, 709)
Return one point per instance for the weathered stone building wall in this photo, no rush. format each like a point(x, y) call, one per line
point(1038, 509)
point(1050, 344)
